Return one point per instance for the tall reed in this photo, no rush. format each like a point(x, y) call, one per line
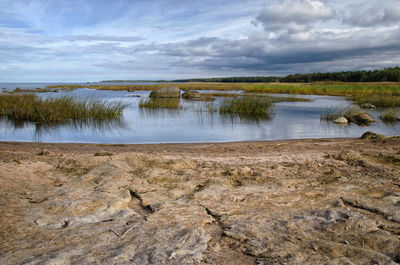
point(29, 107)
point(247, 106)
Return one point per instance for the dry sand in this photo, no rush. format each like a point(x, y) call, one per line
point(327, 201)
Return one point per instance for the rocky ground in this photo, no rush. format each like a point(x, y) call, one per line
point(331, 201)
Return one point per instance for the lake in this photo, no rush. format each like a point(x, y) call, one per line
point(289, 120)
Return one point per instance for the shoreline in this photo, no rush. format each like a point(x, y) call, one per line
point(168, 146)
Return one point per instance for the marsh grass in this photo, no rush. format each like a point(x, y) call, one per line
point(182, 86)
point(327, 88)
point(206, 107)
point(220, 94)
point(390, 116)
point(29, 107)
point(247, 107)
point(288, 99)
point(316, 88)
point(161, 103)
point(378, 100)
point(37, 90)
point(348, 112)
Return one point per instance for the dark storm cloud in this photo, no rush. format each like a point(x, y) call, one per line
point(246, 55)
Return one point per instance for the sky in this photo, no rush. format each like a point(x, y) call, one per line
point(94, 40)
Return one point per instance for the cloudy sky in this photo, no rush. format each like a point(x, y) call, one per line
point(92, 40)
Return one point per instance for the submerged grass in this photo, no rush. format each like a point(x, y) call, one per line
point(391, 115)
point(317, 88)
point(348, 112)
point(29, 107)
point(247, 107)
point(206, 106)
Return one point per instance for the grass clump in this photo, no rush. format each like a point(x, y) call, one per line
point(379, 101)
point(247, 106)
point(392, 115)
point(29, 107)
point(160, 103)
point(348, 112)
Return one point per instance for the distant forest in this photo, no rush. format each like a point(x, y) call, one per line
point(385, 75)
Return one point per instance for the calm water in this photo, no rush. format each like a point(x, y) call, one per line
point(290, 120)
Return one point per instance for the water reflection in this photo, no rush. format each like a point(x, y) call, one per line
point(244, 118)
point(42, 129)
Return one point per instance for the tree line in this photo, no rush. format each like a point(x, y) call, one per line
point(385, 75)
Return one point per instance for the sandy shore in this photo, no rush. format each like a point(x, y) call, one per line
point(325, 201)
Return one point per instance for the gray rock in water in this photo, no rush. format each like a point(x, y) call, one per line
point(166, 92)
point(367, 106)
point(363, 119)
point(191, 94)
point(341, 120)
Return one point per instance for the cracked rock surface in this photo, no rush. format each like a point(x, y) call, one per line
point(283, 202)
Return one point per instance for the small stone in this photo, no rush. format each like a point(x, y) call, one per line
point(363, 119)
point(52, 224)
point(191, 95)
point(43, 153)
point(341, 120)
point(367, 106)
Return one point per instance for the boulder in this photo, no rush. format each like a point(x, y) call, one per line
point(341, 120)
point(371, 135)
point(166, 92)
point(191, 95)
point(363, 119)
point(367, 106)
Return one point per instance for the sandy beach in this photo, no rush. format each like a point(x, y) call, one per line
point(315, 201)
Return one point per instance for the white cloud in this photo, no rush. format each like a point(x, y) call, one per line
point(294, 15)
point(372, 14)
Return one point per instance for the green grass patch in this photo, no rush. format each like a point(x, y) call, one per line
point(380, 101)
point(247, 107)
point(391, 115)
point(327, 88)
point(29, 107)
